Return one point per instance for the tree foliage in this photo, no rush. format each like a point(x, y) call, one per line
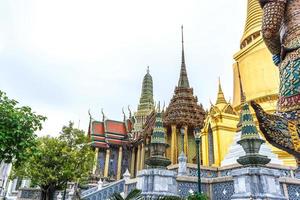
point(17, 127)
point(59, 160)
point(197, 196)
point(133, 195)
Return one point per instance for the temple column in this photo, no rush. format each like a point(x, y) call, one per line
point(119, 163)
point(95, 160)
point(106, 163)
point(138, 159)
point(204, 149)
point(142, 157)
point(167, 154)
point(217, 148)
point(186, 142)
point(173, 144)
point(132, 162)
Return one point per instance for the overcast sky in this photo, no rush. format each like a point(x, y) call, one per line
point(63, 57)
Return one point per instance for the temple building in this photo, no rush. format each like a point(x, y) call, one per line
point(111, 142)
point(139, 138)
point(124, 144)
point(259, 75)
point(120, 145)
point(219, 130)
point(182, 116)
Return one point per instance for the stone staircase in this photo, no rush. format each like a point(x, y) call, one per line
point(103, 192)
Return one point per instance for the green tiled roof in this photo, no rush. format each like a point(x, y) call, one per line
point(158, 135)
point(249, 129)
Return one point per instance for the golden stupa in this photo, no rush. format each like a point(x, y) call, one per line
point(259, 76)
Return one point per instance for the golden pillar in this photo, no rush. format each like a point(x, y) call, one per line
point(216, 147)
point(132, 162)
point(138, 158)
point(95, 160)
point(119, 163)
point(106, 163)
point(168, 150)
point(186, 142)
point(204, 149)
point(142, 157)
point(173, 144)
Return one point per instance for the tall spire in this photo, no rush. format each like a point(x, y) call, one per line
point(182, 46)
point(183, 79)
point(243, 97)
point(146, 100)
point(246, 120)
point(221, 98)
point(253, 21)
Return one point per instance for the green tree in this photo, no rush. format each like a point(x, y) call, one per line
point(17, 127)
point(58, 160)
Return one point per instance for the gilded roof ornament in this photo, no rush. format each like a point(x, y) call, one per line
point(183, 79)
point(184, 108)
point(220, 99)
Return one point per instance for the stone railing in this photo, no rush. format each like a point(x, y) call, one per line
point(130, 184)
point(105, 192)
point(216, 188)
point(206, 172)
point(213, 172)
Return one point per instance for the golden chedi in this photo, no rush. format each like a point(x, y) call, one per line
point(259, 75)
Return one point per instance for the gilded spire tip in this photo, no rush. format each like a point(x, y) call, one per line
point(183, 79)
point(221, 97)
point(243, 97)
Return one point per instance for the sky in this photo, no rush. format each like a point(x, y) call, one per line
point(64, 57)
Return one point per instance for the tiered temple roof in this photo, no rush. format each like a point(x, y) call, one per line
point(146, 100)
point(221, 106)
point(146, 103)
point(105, 133)
point(184, 108)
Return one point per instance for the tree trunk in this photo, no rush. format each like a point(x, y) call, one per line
point(47, 192)
point(44, 193)
point(65, 190)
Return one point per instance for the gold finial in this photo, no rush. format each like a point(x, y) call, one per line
point(220, 98)
point(103, 115)
point(182, 45)
point(124, 115)
point(129, 110)
point(211, 103)
point(183, 79)
point(243, 97)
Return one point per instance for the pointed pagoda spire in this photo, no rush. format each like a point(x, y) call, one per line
point(246, 122)
point(158, 135)
point(183, 79)
point(221, 98)
point(158, 144)
point(249, 129)
point(243, 97)
point(146, 100)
